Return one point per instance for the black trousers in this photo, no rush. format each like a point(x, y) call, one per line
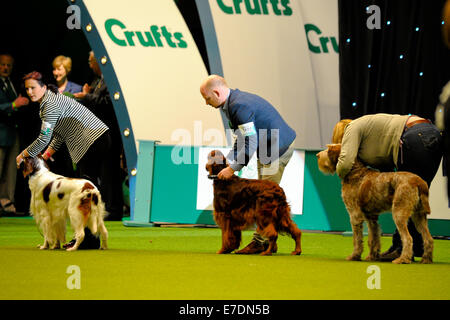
point(101, 164)
point(420, 153)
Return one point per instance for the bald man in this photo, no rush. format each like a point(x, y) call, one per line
point(259, 128)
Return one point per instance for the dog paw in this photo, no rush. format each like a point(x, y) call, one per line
point(266, 253)
point(353, 258)
point(426, 261)
point(71, 249)
point(372, 258)
point(402, 261)
point(296, 253)
point(103, 247)
point(43, 247)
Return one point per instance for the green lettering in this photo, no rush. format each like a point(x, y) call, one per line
point(255, 10)
point(310, 27)
point(129, 35)
point(168, 37)
point(108, 27)
point(181, 42)
point(275, 7)
point(237, 6)
point(335, 44)
point(264, 6)
point(226, 9)
point(146, 43)
point(156, 35)
point(287, 10)
point(323, 42)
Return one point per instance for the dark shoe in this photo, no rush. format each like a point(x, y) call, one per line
point(69, 244)
point(89, 242)
point(252, 248)
point(391, 254)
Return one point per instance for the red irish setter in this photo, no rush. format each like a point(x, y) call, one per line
point(240, 203)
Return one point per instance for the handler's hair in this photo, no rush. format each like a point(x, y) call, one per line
point(339, 129)
point(38, 77)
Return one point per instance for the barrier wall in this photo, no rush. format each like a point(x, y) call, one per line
point(168, 194)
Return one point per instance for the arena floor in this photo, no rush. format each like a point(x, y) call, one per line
point(181, 264)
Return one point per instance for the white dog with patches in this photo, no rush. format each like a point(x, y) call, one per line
point(55, 198)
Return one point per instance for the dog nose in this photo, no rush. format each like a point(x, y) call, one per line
point(317, 155)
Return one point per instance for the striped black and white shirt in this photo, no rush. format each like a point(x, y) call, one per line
point(66, 120)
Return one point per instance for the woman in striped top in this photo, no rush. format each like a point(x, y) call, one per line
point(63, 120)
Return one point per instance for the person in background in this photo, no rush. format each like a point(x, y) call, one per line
point(389, 142)
point(260, 129)
point(10, 102)
point(62, 66)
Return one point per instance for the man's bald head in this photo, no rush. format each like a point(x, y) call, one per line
point(214, 90)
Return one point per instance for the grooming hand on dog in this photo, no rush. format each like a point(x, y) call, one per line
point(240, 203)
point(55, 198)
point(367, 193)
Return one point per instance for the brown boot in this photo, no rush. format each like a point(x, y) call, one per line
point(390, 254)
point(252, 248)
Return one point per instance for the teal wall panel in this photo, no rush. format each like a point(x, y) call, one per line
point(175, 189)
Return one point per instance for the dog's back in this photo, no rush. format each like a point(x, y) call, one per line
point(381, 191)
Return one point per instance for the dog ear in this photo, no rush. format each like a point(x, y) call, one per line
point(27, 167)
point(334, 150)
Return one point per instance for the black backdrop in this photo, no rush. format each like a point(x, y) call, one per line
point(409, 63)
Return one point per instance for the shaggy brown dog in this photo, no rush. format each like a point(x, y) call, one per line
point(239, 203)
point(367, 193)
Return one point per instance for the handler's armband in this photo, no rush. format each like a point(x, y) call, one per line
point(247, 129)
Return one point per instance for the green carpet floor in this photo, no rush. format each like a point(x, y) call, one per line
point(181, 263)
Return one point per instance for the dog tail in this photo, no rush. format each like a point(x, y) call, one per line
point(423, 196)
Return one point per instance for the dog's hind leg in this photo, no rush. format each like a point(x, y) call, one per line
point(77, 224)
point(296, 234)
point(420, 221)
point(401, 221)
point(103, 235)
point(374, 238)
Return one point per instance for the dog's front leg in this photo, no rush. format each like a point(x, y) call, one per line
point(44, 246)
point(357, 227)
point(230, 239)
point(374, 239)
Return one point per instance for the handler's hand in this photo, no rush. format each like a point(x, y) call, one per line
point(226, 173)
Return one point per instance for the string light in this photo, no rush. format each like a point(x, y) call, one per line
point(401, 57)
point(382, 94)
point(354, 104)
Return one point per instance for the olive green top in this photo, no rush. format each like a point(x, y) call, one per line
point(375, 139)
